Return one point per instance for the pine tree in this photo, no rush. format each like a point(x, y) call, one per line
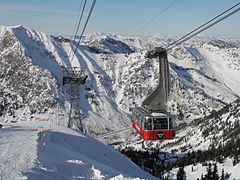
point(181, 175)
point(234, 162)
point(215, 172)
point(209, 172)
point(222, 176)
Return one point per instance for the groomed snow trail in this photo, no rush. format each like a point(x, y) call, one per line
point(67, 155)
point(18, 150)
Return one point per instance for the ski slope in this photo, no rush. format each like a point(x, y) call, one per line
point(67, 155)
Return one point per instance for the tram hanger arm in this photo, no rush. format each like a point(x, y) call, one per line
point(157, 52)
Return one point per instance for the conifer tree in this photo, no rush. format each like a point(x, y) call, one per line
point(234, 162)
point(209, 172)
point(181, 175)
point(215, 172)
point(222, 176)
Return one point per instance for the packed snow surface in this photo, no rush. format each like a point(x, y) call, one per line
point(67, 155)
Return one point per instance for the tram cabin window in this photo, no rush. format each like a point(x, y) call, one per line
point(160, 123)
point(138, 118)
point(133, 115)
point(148, 124)
point(141, 119)
point(170, 123)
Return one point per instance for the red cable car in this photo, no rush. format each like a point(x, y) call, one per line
point(153, 126)
point(151, 120)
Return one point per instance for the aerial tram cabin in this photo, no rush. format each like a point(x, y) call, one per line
point(153, 126)
point(151, 120)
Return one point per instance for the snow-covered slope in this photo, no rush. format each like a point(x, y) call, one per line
point(26, 89)
point(217, 129)
point(38, 52)
point(205, 76)
point(67, 155)
point(217, 135)
point(200, 74)
point(214, 138)
point(196, 171)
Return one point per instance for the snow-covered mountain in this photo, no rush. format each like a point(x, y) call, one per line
point(204, 72)
point(26, 89)
point(119, 76)
point(198, 71)
point(38, 73)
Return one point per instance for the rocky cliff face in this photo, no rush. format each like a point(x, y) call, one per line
point(26, 89)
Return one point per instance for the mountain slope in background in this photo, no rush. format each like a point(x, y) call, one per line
point(197, 69)
point(198, 72)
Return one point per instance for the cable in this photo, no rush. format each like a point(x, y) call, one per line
point(114, 132)
point(80, 37)
point(79, 22)
point(156, 16)
point(179, 41)
point(203, 24)
point(199, 30)
point(140, 29)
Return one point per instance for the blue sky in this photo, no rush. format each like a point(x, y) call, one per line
point(58, 17)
